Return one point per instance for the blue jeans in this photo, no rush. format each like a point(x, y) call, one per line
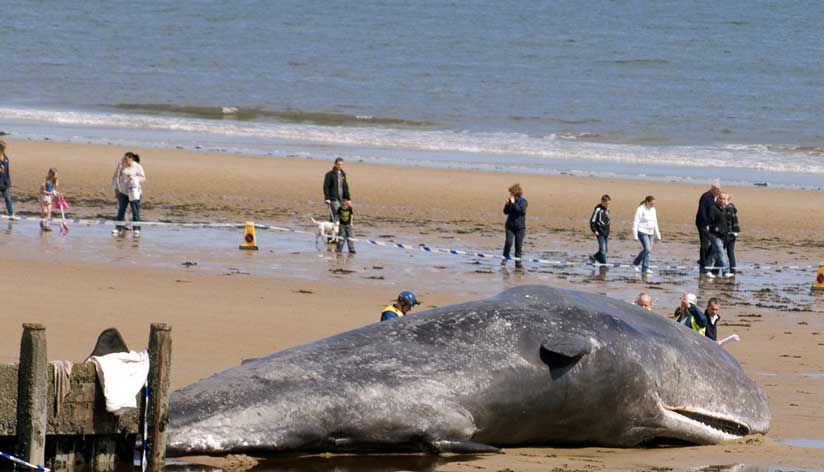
point(345, 232)
point(334, 206)
point(716, 256)
point(601, 255)
point(7, 198)
point(642, 258)
point(122, 202)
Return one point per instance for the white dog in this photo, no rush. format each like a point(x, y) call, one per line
point(327, 229)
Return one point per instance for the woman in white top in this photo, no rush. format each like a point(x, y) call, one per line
point(644, 227)
point(127, 183)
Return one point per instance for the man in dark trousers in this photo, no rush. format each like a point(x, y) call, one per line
point(702, 223)
point(5, 181)
point(599, 224)
point(335, 189)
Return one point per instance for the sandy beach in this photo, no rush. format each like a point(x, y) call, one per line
point(221, 316)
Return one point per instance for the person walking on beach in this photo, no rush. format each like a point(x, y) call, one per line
point(346, 221)
point(335, 189)
point(47, 194)
point(403, 305)
point(644, 227)
point(127, 183)
point(515, 211)
point(599, 224)
point(702, 223)
point(5, 181)
point(734, 227)
point(719, 229)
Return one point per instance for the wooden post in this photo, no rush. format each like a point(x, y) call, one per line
point(160, 361)
point(32, 390)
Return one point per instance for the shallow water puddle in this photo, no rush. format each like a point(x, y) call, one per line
point(296, 255)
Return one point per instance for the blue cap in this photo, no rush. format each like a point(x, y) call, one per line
point(408, 298)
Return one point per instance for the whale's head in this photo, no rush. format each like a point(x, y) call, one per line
point(653, 378)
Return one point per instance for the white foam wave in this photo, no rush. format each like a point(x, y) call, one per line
point(756, 157)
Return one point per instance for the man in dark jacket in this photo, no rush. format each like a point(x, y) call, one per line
point(719, 228)
point(515, 211)
point(599, 224)
point(702, 223)
point(335, 188)
point(5, 181)
point(712, 314)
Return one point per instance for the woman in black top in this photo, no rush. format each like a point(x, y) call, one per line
point(515, 211)
point(733, 228)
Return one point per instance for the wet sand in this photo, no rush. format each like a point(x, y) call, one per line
point(294, 291)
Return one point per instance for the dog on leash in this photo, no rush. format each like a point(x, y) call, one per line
point(327, 229)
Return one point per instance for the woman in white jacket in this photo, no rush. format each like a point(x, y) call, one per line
point(644, 227)
point(127, 183)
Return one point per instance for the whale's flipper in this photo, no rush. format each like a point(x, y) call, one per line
point(461, 447)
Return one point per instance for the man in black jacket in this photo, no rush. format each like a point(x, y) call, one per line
point(702, 223)
point(599, 224)
point(335, 188)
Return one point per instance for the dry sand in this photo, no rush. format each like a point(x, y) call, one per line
point(219, 320)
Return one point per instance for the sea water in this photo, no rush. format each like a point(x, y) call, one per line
point(660, 90)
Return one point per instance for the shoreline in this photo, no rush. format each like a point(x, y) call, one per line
point(85, 282)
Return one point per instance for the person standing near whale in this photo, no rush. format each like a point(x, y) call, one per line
point(515, 211)
point(644, 227)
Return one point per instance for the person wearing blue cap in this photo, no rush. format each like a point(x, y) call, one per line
point(403, 305)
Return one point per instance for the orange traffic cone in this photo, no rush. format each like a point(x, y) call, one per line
point(249, 241)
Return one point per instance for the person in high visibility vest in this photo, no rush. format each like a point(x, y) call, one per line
point(403, 305)
point(690, 315)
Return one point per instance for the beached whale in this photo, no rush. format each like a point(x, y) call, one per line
point(533, 365)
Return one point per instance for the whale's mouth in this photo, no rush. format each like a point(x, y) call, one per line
point(716, 422)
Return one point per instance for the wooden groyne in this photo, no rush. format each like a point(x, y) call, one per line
point(75, 430)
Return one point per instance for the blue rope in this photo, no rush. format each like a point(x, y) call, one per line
point(22, 462)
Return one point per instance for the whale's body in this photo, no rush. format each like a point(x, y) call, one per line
point(532, 365)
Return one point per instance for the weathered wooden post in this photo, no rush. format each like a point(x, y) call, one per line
point(32, 390)
point(160, 362)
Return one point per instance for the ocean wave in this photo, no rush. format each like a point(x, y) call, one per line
point(250, 114)
point(497, 146)
point(631, 62)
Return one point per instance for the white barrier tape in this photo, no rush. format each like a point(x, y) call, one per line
point(421, 247)
point(20, 461)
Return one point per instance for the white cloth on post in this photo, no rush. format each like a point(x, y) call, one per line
point(122, 375)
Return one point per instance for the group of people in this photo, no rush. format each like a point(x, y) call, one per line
point(718, 228)
point(336, 196)
point(690, 315)
point(127, 184)
point(716, 220)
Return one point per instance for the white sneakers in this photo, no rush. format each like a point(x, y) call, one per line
point(137, 233)
point(648, 271)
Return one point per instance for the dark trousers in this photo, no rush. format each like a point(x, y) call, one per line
point(122, 202)
point(518, 236)
point(704, 247)
point(729, 245)
point(601, 255)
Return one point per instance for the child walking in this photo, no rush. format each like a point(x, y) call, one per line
point(48, 190)
point(345, 218)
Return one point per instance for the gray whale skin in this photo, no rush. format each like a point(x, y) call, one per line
point(534, 365)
